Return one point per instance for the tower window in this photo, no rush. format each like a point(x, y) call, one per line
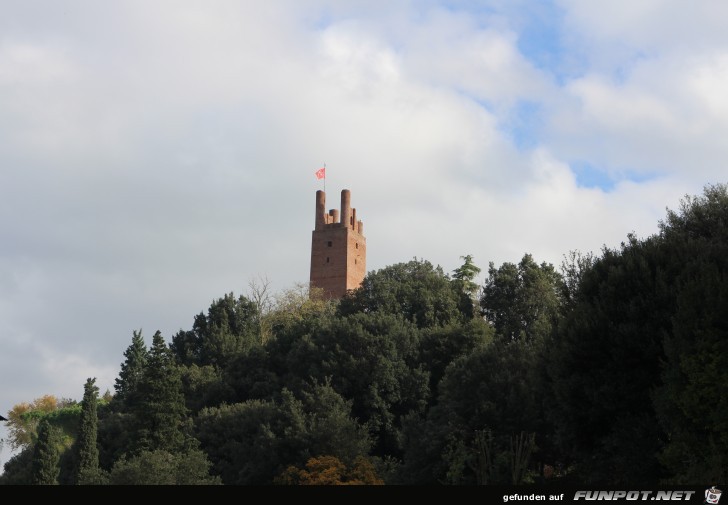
point(355, 262)
point(357, 245)
point(327, 260)
point(329, 244)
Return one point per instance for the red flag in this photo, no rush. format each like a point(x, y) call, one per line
point(321, 173)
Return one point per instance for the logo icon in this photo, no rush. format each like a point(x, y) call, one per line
point(712, 495)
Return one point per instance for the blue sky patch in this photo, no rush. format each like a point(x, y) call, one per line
point(590, 176)
point(525, 124)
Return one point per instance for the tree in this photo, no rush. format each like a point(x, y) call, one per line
point(328, 426)
point(18, 470)
point(693, 398)
point(259, 294)
point(573, 268)
point(465, 275)
point(46, 455)
point(252, 442)
point(230, 327)
point(604, 365)
point(162, 467)
point(23, 420)
point(87, 453)
point(131, 369)
point(494, 389)
point(243, 440)
point(691, 403)
point(298, 305)
point(115, 436)
point(330, 471)
point(639, 394)
point(522, 301)
point(441, 346)
point(371, 358)
point(416, 290)
point(249, 376)
point(159, 409)
point(203, 386)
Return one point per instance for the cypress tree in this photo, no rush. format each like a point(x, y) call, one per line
point(160, 411)
point(46, 456)
point(131, 369)
point(87, 451)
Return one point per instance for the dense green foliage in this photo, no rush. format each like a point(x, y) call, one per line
point(522, 301)
point(692, 401)
point(229, 329)
point(163, 468)
point(419, 292)
point(608, 372)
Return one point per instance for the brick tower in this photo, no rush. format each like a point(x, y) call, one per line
point(338, 248)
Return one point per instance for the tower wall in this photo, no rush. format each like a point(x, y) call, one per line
point(338, 248)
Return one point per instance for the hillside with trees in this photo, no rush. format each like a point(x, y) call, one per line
point(608, 370)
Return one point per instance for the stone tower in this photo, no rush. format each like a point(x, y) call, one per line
point(338, 248)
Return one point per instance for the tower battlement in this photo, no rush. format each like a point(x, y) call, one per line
point(338, 248)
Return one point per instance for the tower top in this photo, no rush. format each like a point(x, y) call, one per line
point(348, 214)
point(338, 248)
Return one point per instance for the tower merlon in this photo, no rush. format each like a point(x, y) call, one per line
point(320, 209)
point(345, 207)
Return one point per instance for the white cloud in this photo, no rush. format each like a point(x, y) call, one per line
point(664, 118)
point(647, 25)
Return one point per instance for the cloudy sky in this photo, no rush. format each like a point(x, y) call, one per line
point(157, 155)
